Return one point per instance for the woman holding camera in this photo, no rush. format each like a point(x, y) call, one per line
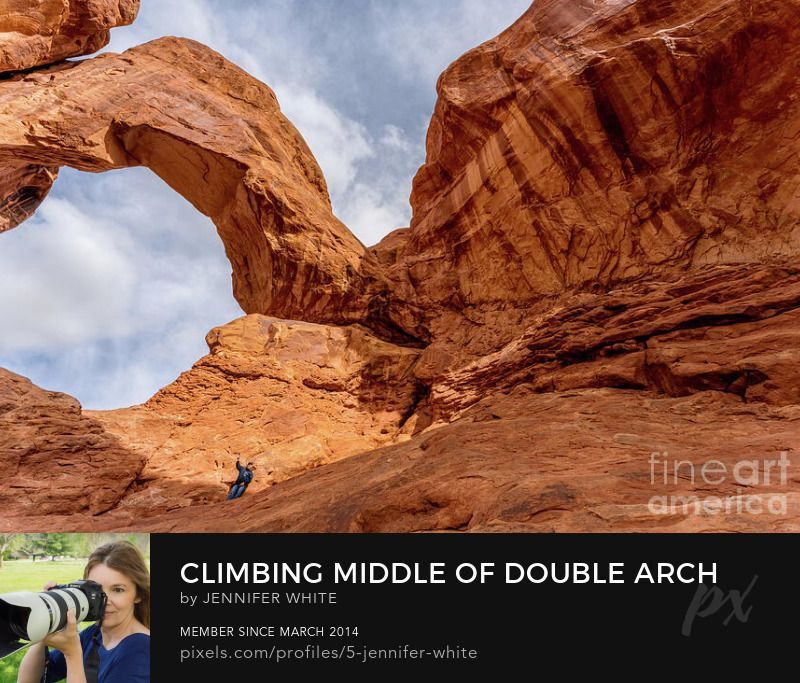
point(117, 648)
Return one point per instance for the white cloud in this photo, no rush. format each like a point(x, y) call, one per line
point(369, 210)
point(376, 202)
point(66, 282)
point(190, 18)
point(111, 287)
point(395, 138)
point(262, 37)
point(423, 49)
point(338, 143)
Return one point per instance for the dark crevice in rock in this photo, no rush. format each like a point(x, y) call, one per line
point(421, 393)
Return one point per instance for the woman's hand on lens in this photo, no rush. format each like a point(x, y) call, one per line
point(67, 639)
point(49, 585)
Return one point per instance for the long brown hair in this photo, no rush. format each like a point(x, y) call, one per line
point(125, 557)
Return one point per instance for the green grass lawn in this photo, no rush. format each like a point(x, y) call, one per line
point(24, 575)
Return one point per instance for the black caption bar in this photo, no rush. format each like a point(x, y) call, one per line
point(227, 607)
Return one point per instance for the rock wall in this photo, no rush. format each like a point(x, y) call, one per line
point(54, 459)
point(595, 143)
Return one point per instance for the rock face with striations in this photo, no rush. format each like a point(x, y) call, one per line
point(601, 267)
point(595, 143)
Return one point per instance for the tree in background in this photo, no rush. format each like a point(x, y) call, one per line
point(54, 545)
point(8, 543)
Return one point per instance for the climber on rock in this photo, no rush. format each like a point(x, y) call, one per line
point(242, 481)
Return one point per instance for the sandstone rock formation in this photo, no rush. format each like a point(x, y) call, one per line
point(214, 134)
point(36, 32)
point(593, 143)
point(727, 328)
point(54, 459)
point(601, 266)
point(556, 461)
point(527, 461)
point(288, 395)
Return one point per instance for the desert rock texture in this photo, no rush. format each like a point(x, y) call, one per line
point(591, 324)
point(37, 32)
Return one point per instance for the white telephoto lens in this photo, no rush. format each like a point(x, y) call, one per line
point(36, 624)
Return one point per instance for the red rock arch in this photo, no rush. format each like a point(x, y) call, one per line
point(214, 134)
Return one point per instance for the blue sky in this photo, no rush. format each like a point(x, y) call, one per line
point(108, 291)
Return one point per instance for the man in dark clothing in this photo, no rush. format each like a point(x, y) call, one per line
point(242, 481)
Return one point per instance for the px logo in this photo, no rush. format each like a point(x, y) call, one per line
point(708, 601)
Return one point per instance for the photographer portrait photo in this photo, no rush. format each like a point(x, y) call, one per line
point(74, 607)
point(362, 267)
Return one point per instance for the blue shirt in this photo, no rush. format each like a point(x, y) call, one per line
point(128, 662)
